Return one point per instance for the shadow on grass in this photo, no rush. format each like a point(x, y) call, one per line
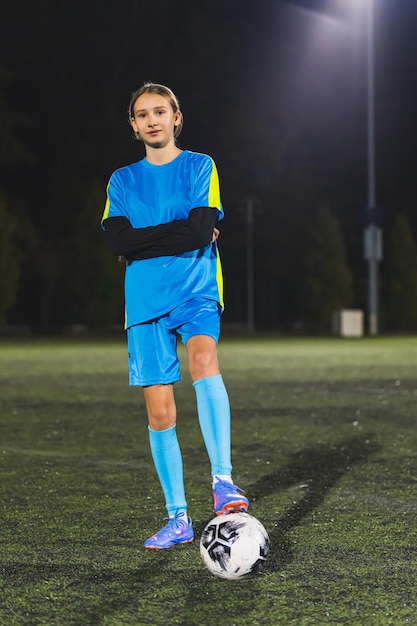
point(317, 469)
point(146, 589)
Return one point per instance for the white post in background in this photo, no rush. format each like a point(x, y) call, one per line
point(250, 306)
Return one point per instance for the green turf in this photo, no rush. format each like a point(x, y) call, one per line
point(324, 442)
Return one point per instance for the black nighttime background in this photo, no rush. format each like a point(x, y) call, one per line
point(274, 91)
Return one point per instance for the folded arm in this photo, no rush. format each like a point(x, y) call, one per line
point(167, 239)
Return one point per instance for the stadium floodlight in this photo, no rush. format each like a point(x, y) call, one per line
point(331, 14)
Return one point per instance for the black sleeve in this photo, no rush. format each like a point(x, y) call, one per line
point(167, 239)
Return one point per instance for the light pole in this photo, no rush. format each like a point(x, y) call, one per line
point(373, 233)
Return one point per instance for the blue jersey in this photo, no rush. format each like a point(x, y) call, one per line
point(148, 195)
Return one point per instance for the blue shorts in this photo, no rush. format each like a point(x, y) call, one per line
point(152, 346)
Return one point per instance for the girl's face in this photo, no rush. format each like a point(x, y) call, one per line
point(154, 120)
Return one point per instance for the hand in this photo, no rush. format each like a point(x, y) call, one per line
point(215, 235)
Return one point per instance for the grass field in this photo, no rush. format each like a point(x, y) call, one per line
point(324, 443)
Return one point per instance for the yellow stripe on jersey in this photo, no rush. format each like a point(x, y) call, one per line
point(107, 205)
point(219, 279)
point(214, 188)
point(214, 202)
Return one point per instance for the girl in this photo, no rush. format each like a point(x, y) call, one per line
point(160, 215)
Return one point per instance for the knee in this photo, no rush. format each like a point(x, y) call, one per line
point(203, 363)
point(161, 417)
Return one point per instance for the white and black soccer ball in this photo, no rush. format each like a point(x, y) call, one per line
point(234, 546)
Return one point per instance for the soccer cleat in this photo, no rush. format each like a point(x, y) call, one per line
point(178, 530)
point(228, 498)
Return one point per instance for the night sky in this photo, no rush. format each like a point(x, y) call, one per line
point(240, 69)
point(274, 90)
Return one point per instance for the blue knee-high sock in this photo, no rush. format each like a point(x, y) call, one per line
point(167, 458)
point(214, 416)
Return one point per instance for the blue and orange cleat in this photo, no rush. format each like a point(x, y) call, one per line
point(178, 530)
point(228, 498)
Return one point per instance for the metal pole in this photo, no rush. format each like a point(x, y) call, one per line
point(373, 229)
point(249, 267)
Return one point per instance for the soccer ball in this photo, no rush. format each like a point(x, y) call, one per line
point(234, 546)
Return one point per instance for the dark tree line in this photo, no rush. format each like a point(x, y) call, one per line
point(67, 71)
